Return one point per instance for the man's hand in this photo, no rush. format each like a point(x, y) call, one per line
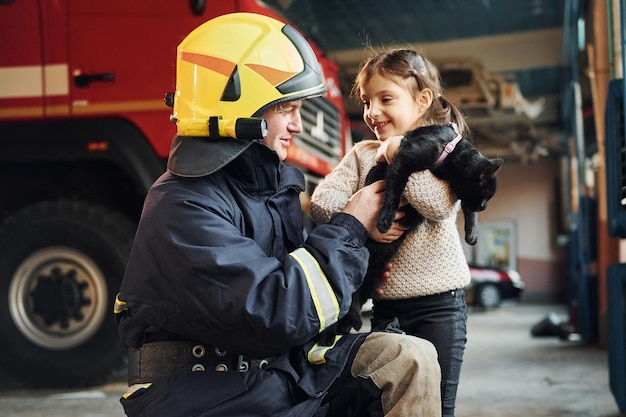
point(366, 203)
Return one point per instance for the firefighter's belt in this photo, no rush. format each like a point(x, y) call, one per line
point(159, 360)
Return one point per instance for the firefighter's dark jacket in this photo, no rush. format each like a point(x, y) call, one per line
point(222, 259)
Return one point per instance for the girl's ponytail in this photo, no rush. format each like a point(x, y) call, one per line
point(449, 113)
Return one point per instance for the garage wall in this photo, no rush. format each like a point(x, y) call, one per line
point(528, 197)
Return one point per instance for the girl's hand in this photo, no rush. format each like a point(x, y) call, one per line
point(379, 290)
point(388, 149)
point(394, 232)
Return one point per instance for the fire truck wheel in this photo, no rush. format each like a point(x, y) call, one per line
point(61, 266)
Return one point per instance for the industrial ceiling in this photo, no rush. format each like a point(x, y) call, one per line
point(500, 59)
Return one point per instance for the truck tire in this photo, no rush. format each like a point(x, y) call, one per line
point(61, 265)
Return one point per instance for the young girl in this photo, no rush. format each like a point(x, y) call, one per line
point(400, 91)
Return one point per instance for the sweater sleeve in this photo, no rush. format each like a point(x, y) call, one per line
point(332, 194)
point(431, 196)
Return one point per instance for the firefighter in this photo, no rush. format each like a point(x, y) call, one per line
point(223, 295)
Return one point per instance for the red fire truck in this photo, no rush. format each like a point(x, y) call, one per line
point(84, 132)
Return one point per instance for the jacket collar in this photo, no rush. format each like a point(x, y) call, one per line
point(260, 170)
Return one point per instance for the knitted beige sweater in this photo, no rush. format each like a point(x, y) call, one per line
point(431, 259)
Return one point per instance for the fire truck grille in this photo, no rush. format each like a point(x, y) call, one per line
point(321, 133)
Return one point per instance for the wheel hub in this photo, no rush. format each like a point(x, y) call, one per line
point(58, 298)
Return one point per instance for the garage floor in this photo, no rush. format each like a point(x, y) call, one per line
point(506, 373)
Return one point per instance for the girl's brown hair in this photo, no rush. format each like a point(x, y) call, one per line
point(407, 63)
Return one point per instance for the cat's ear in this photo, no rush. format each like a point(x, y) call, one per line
point(496, 163)
point(491, 168)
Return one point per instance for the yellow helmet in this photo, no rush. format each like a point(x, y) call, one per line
point(236, 66)
point(239, 64)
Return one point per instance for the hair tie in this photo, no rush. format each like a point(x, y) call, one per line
point(413, 72)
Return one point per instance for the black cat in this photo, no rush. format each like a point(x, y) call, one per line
point(449, 156)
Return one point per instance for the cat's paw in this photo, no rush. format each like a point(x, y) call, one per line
point(354, 322)
point(384, 222)
point(383, 227)
point(471, 238)
point(327, 337)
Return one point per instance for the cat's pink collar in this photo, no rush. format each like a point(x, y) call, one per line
point(449, 146)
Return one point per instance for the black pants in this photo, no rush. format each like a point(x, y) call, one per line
point(440, 319)
point(353, 397)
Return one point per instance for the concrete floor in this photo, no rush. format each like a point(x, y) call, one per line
point(506, 373)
